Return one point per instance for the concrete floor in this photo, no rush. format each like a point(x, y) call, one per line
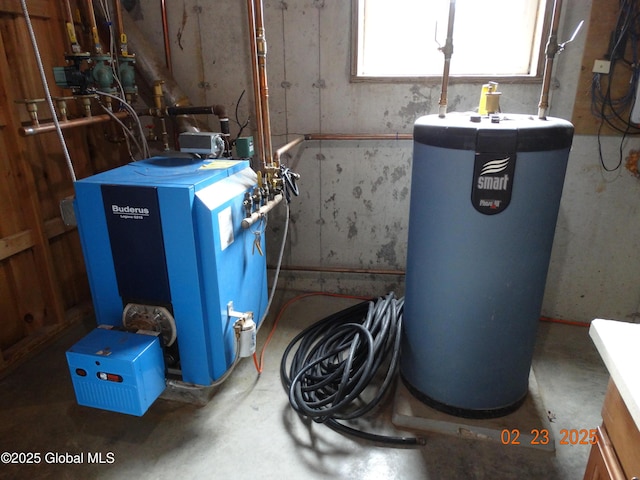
point(248, 430)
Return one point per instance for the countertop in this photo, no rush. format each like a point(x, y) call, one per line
point(618, 344)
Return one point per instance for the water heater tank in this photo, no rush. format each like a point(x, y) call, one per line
point(485, 194)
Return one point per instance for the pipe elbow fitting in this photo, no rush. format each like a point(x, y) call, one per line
point(220, 111)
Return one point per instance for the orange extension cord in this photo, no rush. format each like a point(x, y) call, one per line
point(260, 364)
point(564, 322)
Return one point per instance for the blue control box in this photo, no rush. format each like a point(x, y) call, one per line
point(117, 370)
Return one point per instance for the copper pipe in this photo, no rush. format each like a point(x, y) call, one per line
point(69, 12)
point(71, 30)
point(120, 27)
point(78, 122)
point(94, 28)
point(285, 148)
point(339, 136)
point(301, 268)
point(261, 44)
point(550, 52)
point(448, 51)
point(259, 143)
point(358, 136)
point(165, 34)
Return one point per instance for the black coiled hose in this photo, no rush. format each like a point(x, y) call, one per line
point(338, 357)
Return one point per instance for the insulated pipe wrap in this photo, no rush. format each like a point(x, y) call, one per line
point(152, 69)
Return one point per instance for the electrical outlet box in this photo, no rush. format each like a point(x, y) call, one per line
point(601, 66)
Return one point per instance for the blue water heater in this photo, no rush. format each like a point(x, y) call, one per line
point(165, 251)
point(485, 194)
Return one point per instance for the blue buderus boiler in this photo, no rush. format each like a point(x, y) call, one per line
point(165, 253)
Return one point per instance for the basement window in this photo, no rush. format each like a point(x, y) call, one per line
point(492, 39)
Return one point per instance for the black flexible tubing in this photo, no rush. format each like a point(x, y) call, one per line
point(336, 358)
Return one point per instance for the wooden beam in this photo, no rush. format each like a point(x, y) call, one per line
point(37, 8)
point(55, 227)
point(21, 351)
point(14, 244)
point(79, 313)
point(19, 242)
point(30, 343)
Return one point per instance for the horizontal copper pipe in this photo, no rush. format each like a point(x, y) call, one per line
point(302, 268)
point(285, 148)
point(358, 136)
point(76, 122)
point(340, 136)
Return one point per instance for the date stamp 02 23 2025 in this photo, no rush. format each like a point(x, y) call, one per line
point(572, 436)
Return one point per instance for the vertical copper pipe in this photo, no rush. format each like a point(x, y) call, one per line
point(69, 12)
point(94, 28)
point(261, 43)
point(448, 51)
point(165, 34)
point(259, 143)
point(120, 27)
point(71, 29)
point(550, 52)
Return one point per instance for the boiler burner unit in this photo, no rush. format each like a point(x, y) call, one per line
point(166, 257)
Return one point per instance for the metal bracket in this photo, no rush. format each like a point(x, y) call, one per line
point(231, 313)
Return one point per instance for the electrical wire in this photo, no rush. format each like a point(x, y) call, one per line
point(260, 364)
point(144, 149)
point(191, 386)
point(241, 126)
point(565, 322)
point(338, 358)
point(128, 133)
point(47, 92)
point(277, 273)
point(615, 112)
point(106, 13)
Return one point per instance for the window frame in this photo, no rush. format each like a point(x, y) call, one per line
point(432, 79)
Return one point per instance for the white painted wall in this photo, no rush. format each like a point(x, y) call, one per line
point(353, 209)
